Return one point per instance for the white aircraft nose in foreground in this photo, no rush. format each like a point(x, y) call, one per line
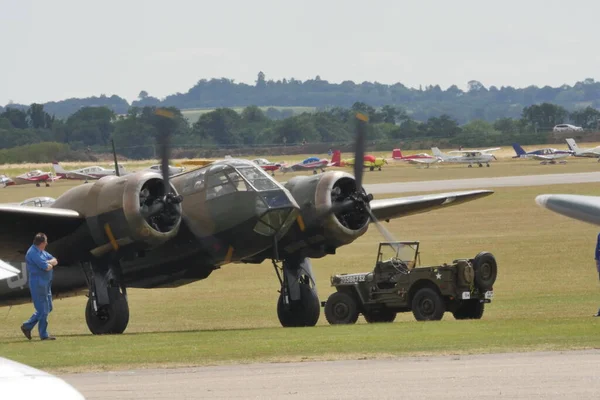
point(583, 208)
point(19, 381)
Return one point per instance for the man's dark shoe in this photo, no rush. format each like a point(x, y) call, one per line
point(26, 332)
point(48, 338)
point(597, 314)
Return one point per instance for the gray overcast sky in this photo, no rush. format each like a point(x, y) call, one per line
point(56, 49)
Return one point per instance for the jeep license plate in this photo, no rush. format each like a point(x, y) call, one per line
point(489, 294)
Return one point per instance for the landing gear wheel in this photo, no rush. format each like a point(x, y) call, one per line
point(487, 165)
point(380, 316)
point(37, 185)
point(428, 305)
point(314, 172)
point(47, 184)
point(341, 308)
point(371, 168)
point(480, 165)
point(470, 166)
point(469, 309)
point(111, 318)
point(486, 270)
point(303, 312)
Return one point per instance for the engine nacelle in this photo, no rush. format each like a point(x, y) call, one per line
point(318, 193)
point(123, 211)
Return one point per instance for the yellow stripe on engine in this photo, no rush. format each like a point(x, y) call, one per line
point(229, 255)
point(301, 223)
point(111, 237)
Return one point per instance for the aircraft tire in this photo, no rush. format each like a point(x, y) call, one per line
point(469, 309)
point(112, 318)
point(428, 305)
point(486, 270)
point(384, 315)
point(303, 312)
point(341, 308)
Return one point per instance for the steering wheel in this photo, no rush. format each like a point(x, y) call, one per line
point(399, 265)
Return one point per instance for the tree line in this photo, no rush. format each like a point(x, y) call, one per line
point(477, 102)
point(89, 129)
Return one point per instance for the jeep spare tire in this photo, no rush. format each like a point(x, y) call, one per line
point(486, 270)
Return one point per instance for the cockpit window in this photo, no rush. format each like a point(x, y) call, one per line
point(257, 178)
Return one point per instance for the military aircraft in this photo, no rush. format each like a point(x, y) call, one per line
point(547, 155)
point(36, 176)
point(369, 161)
point(313, 163)
point(147, 230)
point(593, 152)
point(470, 157)
point(88, 173)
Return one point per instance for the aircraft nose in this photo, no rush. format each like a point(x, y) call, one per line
point(276, 211)
point(583, 208)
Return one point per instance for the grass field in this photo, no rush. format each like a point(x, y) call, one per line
point(193, 114)
point(545, 295)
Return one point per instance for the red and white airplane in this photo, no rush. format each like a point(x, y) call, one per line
point(267, 165)
point(314, 163)
point(6, 181)
point(87, 173)
point(418, 159)
point(36, 176)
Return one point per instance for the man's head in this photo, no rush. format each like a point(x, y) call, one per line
point(40, 240)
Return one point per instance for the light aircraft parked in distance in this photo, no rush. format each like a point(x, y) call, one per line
point(470, 157)
point(172, 169)
point(369, 161)
point(148, 230)
point(593, 152)
point(313, 163)
point(88, 173)
point(546, 156)
point(6, 181)
point(267, 165)
point(36, 176)
point(418, 159)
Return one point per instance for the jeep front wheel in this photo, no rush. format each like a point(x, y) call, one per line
point(341, 308)
point(428, 305)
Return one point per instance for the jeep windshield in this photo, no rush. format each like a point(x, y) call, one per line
point(405, 251)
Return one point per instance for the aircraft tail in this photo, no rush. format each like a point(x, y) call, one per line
point(437, 153)
point(397, 154)
point(519, 150)
point(336, 159)
point(573, 145)
point(58, 168)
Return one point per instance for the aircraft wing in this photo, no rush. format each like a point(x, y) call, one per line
point(583, 208)
point(492, 149)
point(386, 209)
point(422, 160)
point(25, 221)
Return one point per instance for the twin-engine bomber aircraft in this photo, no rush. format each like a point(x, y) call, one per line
point(146, 230)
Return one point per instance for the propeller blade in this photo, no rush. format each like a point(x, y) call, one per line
point(382, 229)
point(359, 151)
point(117, 173)
point(163, 140)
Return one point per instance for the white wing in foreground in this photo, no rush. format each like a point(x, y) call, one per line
point(7, 270)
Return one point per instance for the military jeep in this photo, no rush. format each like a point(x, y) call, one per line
point(399, 284)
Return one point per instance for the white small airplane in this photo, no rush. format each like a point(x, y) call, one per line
point(593, 152)
point(20, 381)
point(172, 169)
point(470, 157)
point(87, 173)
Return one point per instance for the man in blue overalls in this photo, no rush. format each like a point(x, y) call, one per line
point(39, 270)
point(598, 265)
